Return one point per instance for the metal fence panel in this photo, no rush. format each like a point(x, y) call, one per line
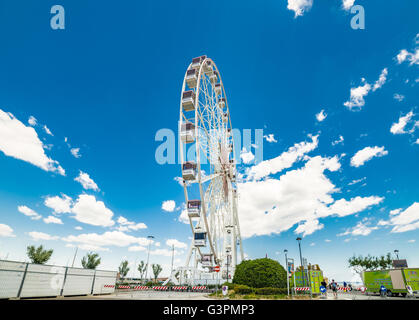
point(11, 275)
point(42, 281)
point(104, 282)
point(78, 281)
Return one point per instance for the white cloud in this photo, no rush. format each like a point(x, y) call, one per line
point(29, 212)
point(86, 181)
point(59, 204)
point(109, 238)
point(339, 141)
point(78, 228)
point(398, 97)
point(406, 220)
point(398, 127)
point(284, 161)
point(327, 240)
point(360, 229)
point(6, 231)
point(404, 55)
point(47, 131)
point(176, 243)
point(417, 141)
point(137, 248)
point(347, 4)
point(312, 244)
point(126, 225)
point(246, 156)
point(22, 142)
point(270, 138)
point(88, 210)
point(411, 241)
point(35, 235)
point(357, 97)
point(32, 121)
point(367, 154)
point(179, 180)
point(165, 252)
point(52, 219)
point(168, 205)
point(395, 211)
point(381, 80)
point(356, 181)
point(301, 196)
point(321, 116)
point(183, 217)
point(75, 152)
point(299, 6)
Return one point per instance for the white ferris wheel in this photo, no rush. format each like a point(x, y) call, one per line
point(209, 170)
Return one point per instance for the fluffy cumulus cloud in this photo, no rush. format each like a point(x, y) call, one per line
point(32, 121)
point(29, 212)
point(247, 156)
point(321, 116)
point(169, 205)
point(126, 225)
point(367, 154)
point(87, 182)
point(357, 95)
point(59, 204)
point(299, 6)
point(88, 210)
point(361, 229)
point(381, 80)
point(338, 141)
point(52, 219)
point(298, 198)
point(347, 4)
point(6, 231)
point(405, 220)
point(283, 161)
point(166, 252)
point(75, 152)
point(22, 142)
point(270, 138)
point(176, 243)
point(109, 238)
point(399, 127)
point(404, 55)
point(35, 235)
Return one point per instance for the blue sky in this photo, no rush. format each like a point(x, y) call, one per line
point(107, 83)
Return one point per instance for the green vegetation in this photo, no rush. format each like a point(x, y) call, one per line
point(123, 269)
point(39, 255)
point(260, 273)
point(361, 264)
point(156, 270)
point(90, 261)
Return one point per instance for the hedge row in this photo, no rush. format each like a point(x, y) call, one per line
point(243, 289)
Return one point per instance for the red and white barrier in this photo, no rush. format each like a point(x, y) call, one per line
point(199, 288)
point(159, 288)
point(124, 287)
point(179, 288)
point(109, 286)
point(302, 288)
point(141, 288)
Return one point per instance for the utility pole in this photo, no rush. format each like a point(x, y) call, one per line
point(301, 262)
point(74, 258)
point(173, 255)
point(148, 255)
point(286, 266)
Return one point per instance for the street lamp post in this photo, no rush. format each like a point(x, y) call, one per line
point(286, 266)
point(396, 252)
point(301, 261)
point(148, 255)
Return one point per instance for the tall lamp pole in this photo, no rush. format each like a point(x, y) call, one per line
point(150, 238)
point(397, 254)
point(301, 261)
point(286, 266)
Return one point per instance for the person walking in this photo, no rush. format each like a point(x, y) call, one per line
point(334, 286)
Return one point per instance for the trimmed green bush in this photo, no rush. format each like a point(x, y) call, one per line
point(242, 289)
point(260, 273)
point(271, 291)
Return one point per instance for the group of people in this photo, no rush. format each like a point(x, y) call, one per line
point(334, 286)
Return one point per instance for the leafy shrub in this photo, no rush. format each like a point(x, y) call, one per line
point(242, 289)
point(271, 291)
point(260, 273)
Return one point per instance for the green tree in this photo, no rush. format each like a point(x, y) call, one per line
point(123, 269)
point(260, 273)
point(90, 261)
point(156, 270)
point(141, 268)
point(360, 264)
point(39, 255)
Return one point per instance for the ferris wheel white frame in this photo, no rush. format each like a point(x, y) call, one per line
point(213, 139)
